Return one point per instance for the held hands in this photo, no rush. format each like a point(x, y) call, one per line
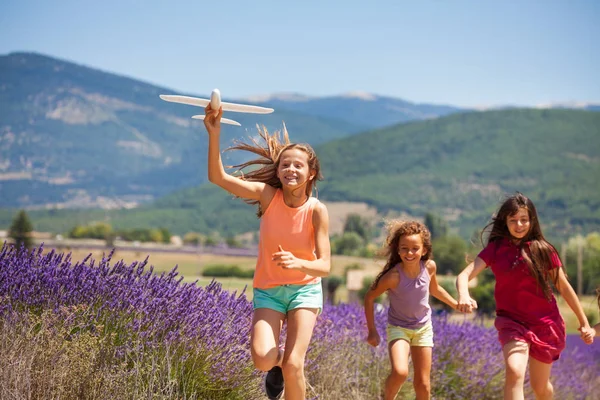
point(466, 304)
point(286, 260)
point(587, 334)
point(212, 120)
point(373, 339)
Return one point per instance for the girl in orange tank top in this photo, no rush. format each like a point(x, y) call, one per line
point(294, 249)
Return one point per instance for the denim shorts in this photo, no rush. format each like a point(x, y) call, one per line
point(289, 297)
point(422, 337)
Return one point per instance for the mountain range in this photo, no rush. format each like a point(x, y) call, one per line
point(75, 137)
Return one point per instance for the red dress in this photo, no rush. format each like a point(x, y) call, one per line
point(522, 310)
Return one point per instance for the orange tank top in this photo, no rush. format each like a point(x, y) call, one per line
point(292, 229)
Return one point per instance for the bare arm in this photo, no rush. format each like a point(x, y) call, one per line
point(435, 289)
point(216, 172)
point(387, 281)
point(566, 291)
point(322, 265)
point(465, 302)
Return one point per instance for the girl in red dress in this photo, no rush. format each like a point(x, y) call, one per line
point(530, 327)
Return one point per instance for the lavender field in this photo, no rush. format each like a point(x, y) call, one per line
point(104, 330)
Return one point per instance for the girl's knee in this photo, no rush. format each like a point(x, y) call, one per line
point(262, 363)
point(292, 369)
point(422, 385)
point(542, 389)
point(264, 360)
point(514, 375)
point(399, 374)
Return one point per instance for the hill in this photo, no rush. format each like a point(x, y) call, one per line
point(73, 136)
point(459, 166)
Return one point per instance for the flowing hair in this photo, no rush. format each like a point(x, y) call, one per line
point(396, 230)
point(541, 251)
point(264, 168)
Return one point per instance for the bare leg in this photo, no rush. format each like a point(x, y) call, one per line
point(399, 350)
point(421, 357)
point(516, 354)
point(300, 325)
point(264, 339)
point(539, 376)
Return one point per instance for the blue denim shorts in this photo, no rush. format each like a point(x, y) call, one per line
point(289, 297)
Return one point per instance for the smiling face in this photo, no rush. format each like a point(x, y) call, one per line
point(293, 170)
point(411, 249)
point(518, 224)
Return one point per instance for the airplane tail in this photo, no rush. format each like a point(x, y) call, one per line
point(223, 120)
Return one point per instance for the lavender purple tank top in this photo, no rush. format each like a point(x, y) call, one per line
point(409, 301)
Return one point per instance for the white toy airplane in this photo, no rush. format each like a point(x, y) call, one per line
point(215, 103)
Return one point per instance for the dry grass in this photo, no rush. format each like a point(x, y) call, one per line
point(36, 362)
point(338, 211)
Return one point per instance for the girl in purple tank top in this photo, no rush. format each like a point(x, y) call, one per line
point(409, 278)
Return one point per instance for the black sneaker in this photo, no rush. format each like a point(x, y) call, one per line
point(274, 383)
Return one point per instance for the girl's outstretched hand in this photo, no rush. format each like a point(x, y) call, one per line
point(373, 339)
point(286, 259)
point(587, 334)
point(212, 119)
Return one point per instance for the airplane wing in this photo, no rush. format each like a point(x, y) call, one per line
point(192, 101)
point(195, 101)
point(245, 108)
point(223, 120)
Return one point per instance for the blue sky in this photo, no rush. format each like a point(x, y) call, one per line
point(466, 53)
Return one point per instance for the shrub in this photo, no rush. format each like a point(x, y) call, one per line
point(226, 271)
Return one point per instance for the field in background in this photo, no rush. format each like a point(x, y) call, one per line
point(190, 266)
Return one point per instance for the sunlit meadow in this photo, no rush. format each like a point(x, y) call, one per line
point(103, 330)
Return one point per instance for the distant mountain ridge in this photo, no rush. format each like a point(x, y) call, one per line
point(361, 108)
point(75, 136)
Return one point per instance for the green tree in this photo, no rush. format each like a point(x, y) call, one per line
point(350, 243)
point(449, 254)
point(590, 260)
point(483, 293)
point(436, 225)
point(166, 235)
point(20, 230)
point(193, 238)
point(332, 283)
point(213, 239)
point(359, 225)
point(232, 241)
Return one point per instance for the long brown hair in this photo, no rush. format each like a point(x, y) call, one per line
point(396, 230)
point(268, 162)
point(541, 251)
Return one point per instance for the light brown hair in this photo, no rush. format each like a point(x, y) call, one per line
point(264, 168)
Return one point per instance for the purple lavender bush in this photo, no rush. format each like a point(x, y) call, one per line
point(150, 330)
point(96, 331)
